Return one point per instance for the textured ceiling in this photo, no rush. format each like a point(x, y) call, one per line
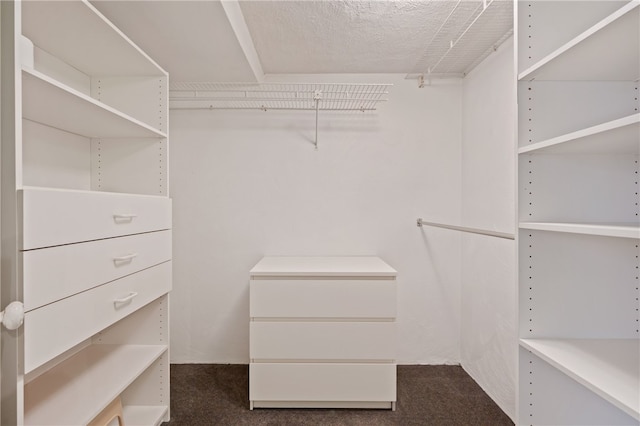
point(341, 36)
point(197, 41)
point(346, 36)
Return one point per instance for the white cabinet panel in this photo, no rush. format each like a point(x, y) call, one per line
point(53, 273)
point(323, 298)
point(55, 328)
point(53, 217)
point(271, 340)
point(550, 109)
point(322, 382)
point(577, 286)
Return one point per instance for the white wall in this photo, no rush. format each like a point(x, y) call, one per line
point(488, 321)
point(246, 184)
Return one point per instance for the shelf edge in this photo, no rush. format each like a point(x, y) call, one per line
point(603, 230)
point(579, 134)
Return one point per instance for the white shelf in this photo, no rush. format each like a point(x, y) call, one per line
point(49, 102)
point(78, 34)
point(347, 266)
point(620, 230)
point(617, 136)
point(91, 193)
point(278, 96)
point(608, 367)
point(143, 415)
point(609, 50)
point(78, 389)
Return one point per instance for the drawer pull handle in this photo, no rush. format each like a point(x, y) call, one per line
point(127, 217)
point(125, 299)
point(125, 258)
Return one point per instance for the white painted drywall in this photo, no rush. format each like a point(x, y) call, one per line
point(488, 310)
point(246, 184)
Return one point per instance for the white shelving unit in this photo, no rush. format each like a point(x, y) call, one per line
point(84, 161)
point(579, 147)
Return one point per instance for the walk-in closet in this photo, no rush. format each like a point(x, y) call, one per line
point(320, 212)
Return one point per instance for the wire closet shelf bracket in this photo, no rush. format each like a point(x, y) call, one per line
point(278, 96)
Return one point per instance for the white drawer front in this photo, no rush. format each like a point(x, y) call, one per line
point(323, 298)
point(53, 273)
point(322, 382)
point(52, 217)
point(57, 327)
point(312, 341)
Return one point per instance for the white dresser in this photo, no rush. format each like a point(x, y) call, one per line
point(322, 333)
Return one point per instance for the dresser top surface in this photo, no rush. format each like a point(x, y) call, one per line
point(344, 266)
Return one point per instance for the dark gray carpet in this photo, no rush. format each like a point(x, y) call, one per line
point(214, 394)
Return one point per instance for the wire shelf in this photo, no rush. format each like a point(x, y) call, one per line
point(278, 96)
point(456, 49)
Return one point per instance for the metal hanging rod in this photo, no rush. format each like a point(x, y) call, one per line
point(505, 235)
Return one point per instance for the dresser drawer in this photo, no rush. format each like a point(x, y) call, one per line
point(57, 327)
point(54, 273)
point(322, 382)
point(312, 341)
point(53, 216)
point(312, 298)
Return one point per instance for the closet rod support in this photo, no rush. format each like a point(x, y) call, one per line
point(317, 95)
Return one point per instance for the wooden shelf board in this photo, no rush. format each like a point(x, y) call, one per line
point(608, 367)
point(77, 33)
point(79, 388)
point(609, 50)
point(617, 136)
point(144, 415)
point(51, 103)
point(621, 230)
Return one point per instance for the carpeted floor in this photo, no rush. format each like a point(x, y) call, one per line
point(214, 394)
